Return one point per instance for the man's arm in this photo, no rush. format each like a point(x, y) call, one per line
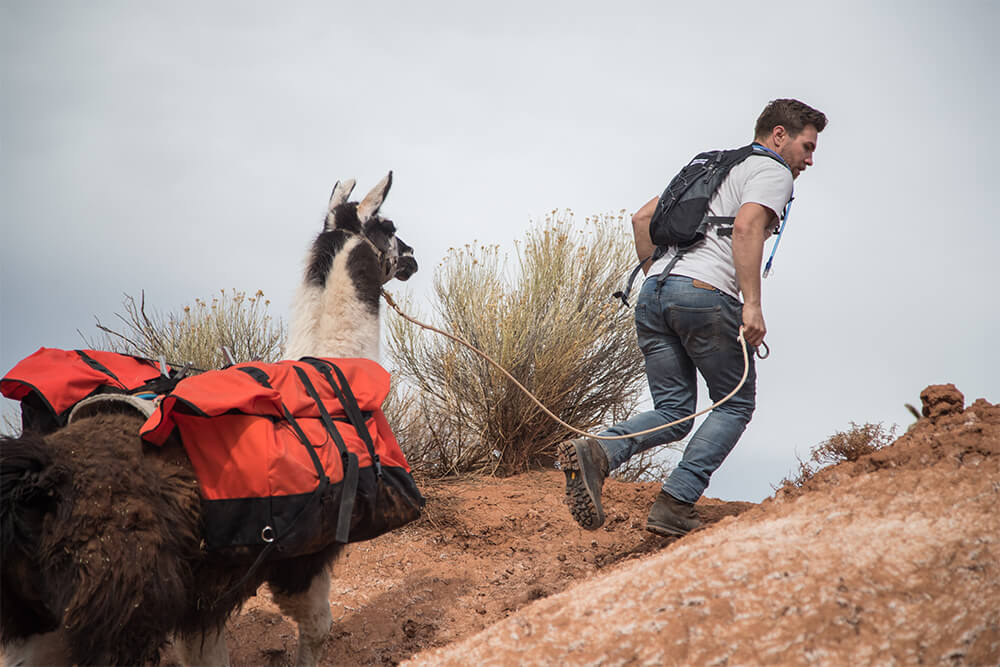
point(640, 229)
point(749, 229)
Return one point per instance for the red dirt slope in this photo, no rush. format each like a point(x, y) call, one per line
point(485, 548)
point(894, 559)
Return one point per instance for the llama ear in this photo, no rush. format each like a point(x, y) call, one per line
point(370, 205)
point(341, 191)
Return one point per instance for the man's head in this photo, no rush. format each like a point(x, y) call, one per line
point(789, 128)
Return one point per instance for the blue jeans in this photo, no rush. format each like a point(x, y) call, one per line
point(681, 329)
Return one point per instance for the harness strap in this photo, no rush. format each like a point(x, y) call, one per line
point(315, 497)
point(723, 223)
point(623, 294)
point(346, 397)
point(349, 458)
point(98, 366)
point(665, 273)
point(257, 374)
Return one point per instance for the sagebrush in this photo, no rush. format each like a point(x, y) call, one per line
point(549, 320)
point(197, 333)
point(850, 445)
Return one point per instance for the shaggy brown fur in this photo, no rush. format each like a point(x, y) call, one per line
point(101, 537)
point(101, 534)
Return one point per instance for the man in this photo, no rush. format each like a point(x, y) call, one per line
point(689, 319)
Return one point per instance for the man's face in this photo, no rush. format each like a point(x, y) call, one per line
point(798, 151)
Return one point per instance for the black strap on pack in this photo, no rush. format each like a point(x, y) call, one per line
point(97, 366)
point(262, 378)
point(665, 273)
point(623, 294)
point(257, 374)
point(348, 458)
point(343, 392)
point(161, 384)
point(705, 174)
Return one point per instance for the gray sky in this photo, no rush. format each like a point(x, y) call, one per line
point(188, 147)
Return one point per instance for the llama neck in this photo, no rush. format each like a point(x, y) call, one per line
point(332, 320)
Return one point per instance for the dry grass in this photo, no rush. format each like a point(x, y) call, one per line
point(647, 466)
point(552, 324)
point(849, 445)
point(198, 333)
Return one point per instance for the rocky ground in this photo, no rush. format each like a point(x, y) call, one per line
point(893, 559)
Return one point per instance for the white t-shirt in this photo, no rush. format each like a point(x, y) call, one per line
point(759, 179)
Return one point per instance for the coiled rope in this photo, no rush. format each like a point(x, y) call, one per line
point(746, 370)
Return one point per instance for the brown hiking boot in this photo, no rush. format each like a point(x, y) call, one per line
point(586, 467)
point(671, 517)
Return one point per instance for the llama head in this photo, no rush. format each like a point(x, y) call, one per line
point(345, 218)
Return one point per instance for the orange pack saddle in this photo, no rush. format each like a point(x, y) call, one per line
point(289, 456)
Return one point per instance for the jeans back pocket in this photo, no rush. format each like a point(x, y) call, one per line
point(698, 328)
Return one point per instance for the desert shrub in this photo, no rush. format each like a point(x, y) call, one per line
point(647, 466)
point(197, 333)
point(849, 445)
point(550, 322)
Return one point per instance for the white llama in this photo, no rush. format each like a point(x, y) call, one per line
point(336, 310)
point(81, 584)
point(336, 314)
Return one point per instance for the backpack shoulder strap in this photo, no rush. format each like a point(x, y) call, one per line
point(727, 160)
point(739, 155)
point(761, 149)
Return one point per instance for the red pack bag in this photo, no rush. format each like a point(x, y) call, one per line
point(50, 382)
point(292, 455)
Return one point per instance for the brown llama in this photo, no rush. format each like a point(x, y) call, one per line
point(103, 558)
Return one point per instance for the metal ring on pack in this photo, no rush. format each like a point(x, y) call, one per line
point(267, 534)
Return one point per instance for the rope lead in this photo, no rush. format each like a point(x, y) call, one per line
point(746, 370)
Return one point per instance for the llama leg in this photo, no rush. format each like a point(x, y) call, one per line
point(208, 649)
point(311, 611)
point(46, 649)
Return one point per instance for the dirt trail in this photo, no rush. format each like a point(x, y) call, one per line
point(485, 548)
point(893, 559)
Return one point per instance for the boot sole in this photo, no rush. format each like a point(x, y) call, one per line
point(666, 531)
point(583, 504)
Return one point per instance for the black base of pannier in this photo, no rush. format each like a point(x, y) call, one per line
point(382, 504)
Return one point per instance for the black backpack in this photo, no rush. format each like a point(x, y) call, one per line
point(680, 216)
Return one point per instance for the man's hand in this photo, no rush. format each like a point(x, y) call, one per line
point(754, 328)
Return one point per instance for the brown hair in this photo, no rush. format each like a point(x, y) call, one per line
point(791, 114)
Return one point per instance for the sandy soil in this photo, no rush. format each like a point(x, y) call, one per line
point(894, 559)
point(484, 549)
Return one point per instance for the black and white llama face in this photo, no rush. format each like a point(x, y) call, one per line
point(396, 256)
point(346, 220)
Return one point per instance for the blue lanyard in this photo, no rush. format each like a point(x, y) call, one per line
point(765, 148)
point(784, 216)
point(781, 230)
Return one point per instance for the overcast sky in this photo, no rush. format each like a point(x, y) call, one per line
point(184, 147)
